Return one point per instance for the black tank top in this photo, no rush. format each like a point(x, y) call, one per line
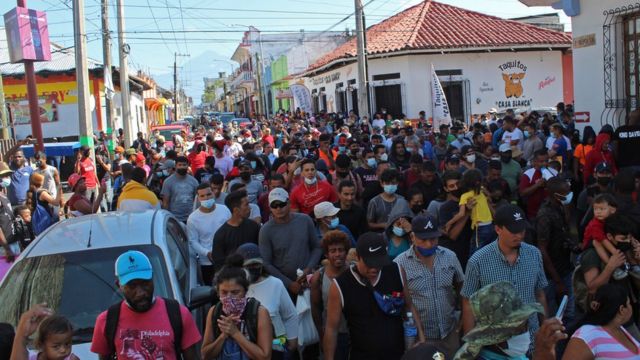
point(374, 334)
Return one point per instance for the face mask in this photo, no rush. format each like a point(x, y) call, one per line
point(398, 231)
point(253, 164)
point(410, 150)
point(567, 198)
point(6, 182)
point(526, 134)
point(342, 174)
point(245, 175)
point(181, 171)
point(38, 163)
point(416, 209)
point(518, 345)
point(624, 246)
point(495, 158)
point(341, 148)
point(259, 152)
point(310, 181)
point(159, 173)
point(372, 162)
point(233, 306)
point(604, 181)
point(334, 223)
point(254, 273)
point(505, 159)
point(165, 172)
point(209, 203)
point(471, 158)
point(297, 172)
point(384, 157)
point(427, 252)
point(390, 189)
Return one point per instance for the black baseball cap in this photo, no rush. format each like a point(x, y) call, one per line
point(372, 249)
point(452, 158)
point(425, 227)
point(603, 167)
point(511, 217)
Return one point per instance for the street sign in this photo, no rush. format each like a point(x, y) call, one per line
point(583, 117)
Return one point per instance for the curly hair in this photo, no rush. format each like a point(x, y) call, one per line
point(334, 237)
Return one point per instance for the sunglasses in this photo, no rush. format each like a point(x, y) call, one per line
point(278, 204)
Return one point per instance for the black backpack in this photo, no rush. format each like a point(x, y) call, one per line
point(250, 317)
point(175, 319)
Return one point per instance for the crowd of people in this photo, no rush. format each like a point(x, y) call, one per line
point(463, 241)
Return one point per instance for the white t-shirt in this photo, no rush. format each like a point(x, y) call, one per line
point(551, 140)
point(379, 123)
point(509, 136)
point(224, 165)
point(202, 226)
point(274, 297)
point(49, 180)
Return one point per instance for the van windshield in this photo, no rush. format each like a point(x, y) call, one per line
point(78, 285)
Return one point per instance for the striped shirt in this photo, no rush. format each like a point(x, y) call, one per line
point(604, 346)
point(488, 265)
point(432, 290)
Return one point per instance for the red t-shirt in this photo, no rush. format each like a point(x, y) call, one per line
point(593, 232)
point(145, 335)
point(535, 199)
point(304, 197)
point(196, 161)
point(88, 173)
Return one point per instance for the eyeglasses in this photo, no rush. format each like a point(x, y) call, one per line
point(278, 204)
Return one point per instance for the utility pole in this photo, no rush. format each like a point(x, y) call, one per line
point(32, 96)
point(175, 84)
point(3, 114)
point(263, 89)
point(106, 60)
point(82, 76)
point(363, 82)
point(123, 50)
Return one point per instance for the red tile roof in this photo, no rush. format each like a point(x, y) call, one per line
point(433, 25)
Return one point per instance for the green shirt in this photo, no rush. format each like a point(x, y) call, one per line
point(511, 172)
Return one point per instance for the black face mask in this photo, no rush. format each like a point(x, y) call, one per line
point(245, 175)
point(505, 159)
point(624, 246)
point(417, 209)
point(254, 273)
point(342, 174)
point(603, 181)
point(181, 171)
point(457, 193)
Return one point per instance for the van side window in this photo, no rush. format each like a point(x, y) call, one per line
point(177, 245)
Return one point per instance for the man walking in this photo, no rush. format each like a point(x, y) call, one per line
point(351, 215)
point(506, 259)
point(202, 225)
point(142, 325)
point(435, 278)
point(135, 195)
point(178, 191)
point(288, 242)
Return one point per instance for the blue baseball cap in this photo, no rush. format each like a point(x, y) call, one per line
point(133, 265)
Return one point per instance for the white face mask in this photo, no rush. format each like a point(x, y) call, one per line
point(518, 345)
point(310, 181)
point(471, 158)
point(384, 157)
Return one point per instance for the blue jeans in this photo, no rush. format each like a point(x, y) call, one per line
point(482, 235)
point(553, 303)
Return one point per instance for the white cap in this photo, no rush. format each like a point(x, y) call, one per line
point(324, 209)
point(504, 148)
point(278, 194)
point(493, 111)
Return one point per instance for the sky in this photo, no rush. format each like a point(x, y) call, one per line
point(208, 31)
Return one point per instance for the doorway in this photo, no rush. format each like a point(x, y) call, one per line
point(390, 98)
point(454, 93)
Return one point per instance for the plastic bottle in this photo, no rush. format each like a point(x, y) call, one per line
point(410, 332)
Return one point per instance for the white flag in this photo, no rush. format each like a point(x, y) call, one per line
point(439, 105)
point(302, 97)
point(109, 91)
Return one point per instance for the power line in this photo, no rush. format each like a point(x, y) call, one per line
point(245, 10)
point(172, 28)
point(157, 26)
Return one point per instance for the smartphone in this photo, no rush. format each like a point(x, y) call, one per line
point(562, 307)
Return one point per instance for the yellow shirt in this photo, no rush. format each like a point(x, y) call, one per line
point(481, 212)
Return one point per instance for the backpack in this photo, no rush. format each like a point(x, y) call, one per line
point(175, 319)
point(250, 317)
point(6, 220)
point(580, 289)
point(41, 219)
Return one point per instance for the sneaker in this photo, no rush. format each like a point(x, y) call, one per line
point(620, 274)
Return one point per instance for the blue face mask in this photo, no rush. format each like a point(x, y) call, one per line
point(159, 173)
point(427, 252)
point(208, 203)
point(398, 231)
point(253, 164)
point(372, 162)
point(567, 198)
point(334, 223)
point(165, 172)
point(390, 189)
point(526, 133)
point(341, 148)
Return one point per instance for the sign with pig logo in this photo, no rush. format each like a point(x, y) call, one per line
point(514, 73)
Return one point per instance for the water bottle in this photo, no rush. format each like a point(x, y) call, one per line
point(410, 332)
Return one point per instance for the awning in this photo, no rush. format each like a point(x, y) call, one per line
point(153, 104)
point(53, 149)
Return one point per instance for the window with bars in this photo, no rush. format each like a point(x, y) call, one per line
point(631, 57)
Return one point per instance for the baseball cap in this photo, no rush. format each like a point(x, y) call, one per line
point(244, 163)
point(119, 150)
point(511, 217)
point(324, 209)
point(133, 265)
point(451, 158)
point(250, 253)
point(372, 248)
point(168, 164)
point(603, 167)
point(425, 227)
point(140, 157)
point(278, 194)
point(130, 151)
point(504, 148)
point(73, 180)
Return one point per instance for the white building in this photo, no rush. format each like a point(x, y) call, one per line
point(605, 58)
point(483, 62)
